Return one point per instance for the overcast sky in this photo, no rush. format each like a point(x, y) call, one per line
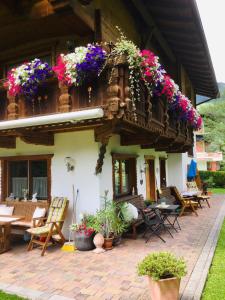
point(213, 18)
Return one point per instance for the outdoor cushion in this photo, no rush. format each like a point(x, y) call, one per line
point(6, 210)
point(39, 212)
point(131, 212)
point(39, 230)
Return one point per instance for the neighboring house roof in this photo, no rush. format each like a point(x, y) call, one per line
point(180, 24)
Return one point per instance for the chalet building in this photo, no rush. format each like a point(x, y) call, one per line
point(87, 136)
point(207, 159)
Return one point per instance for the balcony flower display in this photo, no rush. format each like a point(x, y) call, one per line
point(83, 64)
point(26, 78)
point(162, 84)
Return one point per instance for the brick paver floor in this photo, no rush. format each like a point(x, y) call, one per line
point(111, 275)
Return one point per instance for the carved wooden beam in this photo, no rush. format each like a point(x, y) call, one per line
point(100, 161)
point(45, 139)
point(8, 142)
point(64, 98)
point(12, 108)
point(102, 135)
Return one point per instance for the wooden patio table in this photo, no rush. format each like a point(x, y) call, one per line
point(5, 230)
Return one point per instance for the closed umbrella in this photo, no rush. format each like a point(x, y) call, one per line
point(192, 171)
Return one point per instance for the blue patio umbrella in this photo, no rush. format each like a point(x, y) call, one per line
point(192, 171)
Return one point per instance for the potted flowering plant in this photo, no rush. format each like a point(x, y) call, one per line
point(26, 78)
point(84, 233)
point(164, 271)
point(85, 63)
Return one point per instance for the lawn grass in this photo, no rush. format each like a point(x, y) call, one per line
point(4, 296)
point(217, 190)
point(215, 287)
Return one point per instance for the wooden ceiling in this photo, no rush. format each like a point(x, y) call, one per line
point(180, 24)
point(29, 21)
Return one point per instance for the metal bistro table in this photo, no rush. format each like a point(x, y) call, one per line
point(167, 210)
point(5, 230)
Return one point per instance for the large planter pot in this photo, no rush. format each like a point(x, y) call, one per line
point(164, 289)
point(83, 242)
point(108, 243)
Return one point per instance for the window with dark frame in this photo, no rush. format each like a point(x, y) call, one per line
point(124, 175)
point(31, 174)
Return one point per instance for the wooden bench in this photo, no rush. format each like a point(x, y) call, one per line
point(25, 209)
point(138, 202)
point(165, 192)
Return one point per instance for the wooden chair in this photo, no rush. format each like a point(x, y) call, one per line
point(192, 187)
point(186, 203)
point(45, 235)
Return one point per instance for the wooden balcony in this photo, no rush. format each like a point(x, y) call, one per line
point(149, 124)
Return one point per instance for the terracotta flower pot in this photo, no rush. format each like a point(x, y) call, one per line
point(98, 242)
point(108, 243)
point(164, 289)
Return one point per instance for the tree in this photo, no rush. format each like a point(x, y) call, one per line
point(214, 125)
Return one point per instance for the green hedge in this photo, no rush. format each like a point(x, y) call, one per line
point(213, 179)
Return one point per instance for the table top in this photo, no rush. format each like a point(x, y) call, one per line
point(9, 219)
point(164, 206)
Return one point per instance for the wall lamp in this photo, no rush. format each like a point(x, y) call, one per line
point(69, 163)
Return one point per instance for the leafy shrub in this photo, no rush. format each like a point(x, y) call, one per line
point(213, 179)
point(162, 265)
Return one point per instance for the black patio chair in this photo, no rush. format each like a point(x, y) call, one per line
point(154, 223)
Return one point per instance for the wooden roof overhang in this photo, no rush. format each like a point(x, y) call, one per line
point(29, 21)
point(177, 24)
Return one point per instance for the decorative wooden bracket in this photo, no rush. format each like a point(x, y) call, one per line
point(8, 142)
point(102, 135)
point(45, 139)
point(100, 161)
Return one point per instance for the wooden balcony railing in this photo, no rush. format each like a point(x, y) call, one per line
point(112, 95)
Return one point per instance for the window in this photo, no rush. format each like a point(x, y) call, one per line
point(27, 173)
point(124, 175)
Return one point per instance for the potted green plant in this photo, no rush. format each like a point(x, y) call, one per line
point(109, 222)
point(84, 233)
point(103, 224)
point(120, 222)
point(164, 271)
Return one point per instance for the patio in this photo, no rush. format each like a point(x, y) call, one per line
point(112, 275)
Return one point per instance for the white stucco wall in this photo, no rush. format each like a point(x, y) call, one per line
point(177, 170)
point(82, 147)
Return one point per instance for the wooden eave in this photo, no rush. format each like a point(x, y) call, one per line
point(180, 25)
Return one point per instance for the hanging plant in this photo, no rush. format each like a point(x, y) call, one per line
point(85, 63)
point(26, 78)
point(126, 47)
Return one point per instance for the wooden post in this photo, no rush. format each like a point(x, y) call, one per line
point(64, 98)
point(113, 94)
point(12, 109)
